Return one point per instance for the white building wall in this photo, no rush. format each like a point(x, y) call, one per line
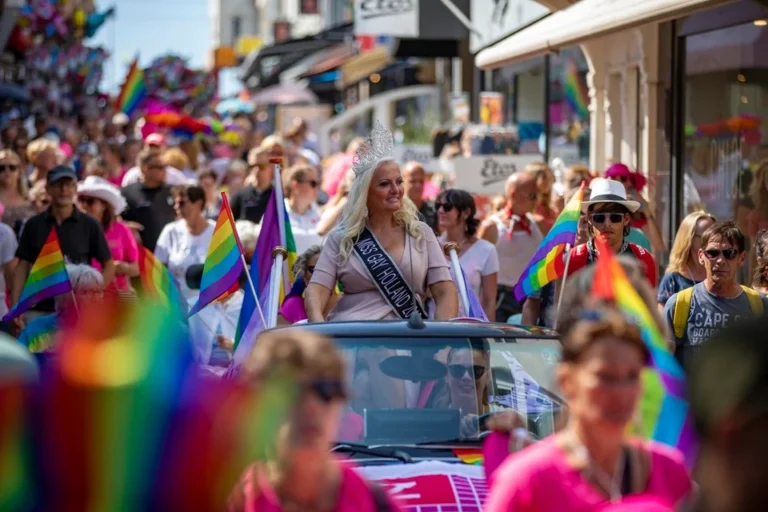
point(223, 14)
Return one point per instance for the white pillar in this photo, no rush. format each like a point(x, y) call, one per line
point(597, 103)
point(456, 75)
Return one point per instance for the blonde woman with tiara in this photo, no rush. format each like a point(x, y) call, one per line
point(384, 257)
point(684, 269)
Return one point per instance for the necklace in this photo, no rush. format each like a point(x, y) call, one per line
point(581, 459)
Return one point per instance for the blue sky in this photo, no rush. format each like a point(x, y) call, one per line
point(156, 27)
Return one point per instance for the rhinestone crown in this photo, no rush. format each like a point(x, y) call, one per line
point(380, 145)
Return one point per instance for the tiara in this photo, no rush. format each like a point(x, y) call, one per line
point(380, 145)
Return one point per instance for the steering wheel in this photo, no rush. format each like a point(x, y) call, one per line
point(481, 425)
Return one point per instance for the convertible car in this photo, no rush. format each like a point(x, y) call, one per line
point(422, 392)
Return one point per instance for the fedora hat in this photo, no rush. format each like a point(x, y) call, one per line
point(609, 191)
point(97, 187)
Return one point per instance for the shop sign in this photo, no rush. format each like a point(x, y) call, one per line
point(486, 175)
point(421, 153)
point(398, 18)
point(497, 19)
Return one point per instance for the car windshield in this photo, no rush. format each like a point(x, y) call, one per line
point(432, 390)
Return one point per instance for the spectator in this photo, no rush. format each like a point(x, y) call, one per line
point(185, 242)
point(149, 200)
point(235, 177)
point(173, 176)
point(685, 269)
point(39, 198)
point(8, 247)
point(80, 236)
point(413, 183)
point(13, 191)
point(110, 153)
point(86, 153)
point(544, 213)
point(760, 278)
point(177, 159)
point(42, 154)
point(698, 313)
point(207, 180)
point(300, 186)
point(250, 202)
point(334, 208)
point(102, 201)
point(338, 170)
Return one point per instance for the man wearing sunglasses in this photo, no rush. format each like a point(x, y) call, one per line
point(608, 215)
point(699, 313)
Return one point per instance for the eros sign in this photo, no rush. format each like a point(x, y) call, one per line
point(397, 18)
point(486, 175)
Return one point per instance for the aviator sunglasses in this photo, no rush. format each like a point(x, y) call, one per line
point(615, 218)
point(728, 254)
point(457, 371)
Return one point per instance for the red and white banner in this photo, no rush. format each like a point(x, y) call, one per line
point(432, 486)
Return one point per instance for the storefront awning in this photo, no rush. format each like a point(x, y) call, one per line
point(584, 20)
point(361, 66)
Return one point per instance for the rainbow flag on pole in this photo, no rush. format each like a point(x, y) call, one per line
point(158, 283)
point(663, 408)
point(133, 91)
point(223, 263)
point(548, 263)
point(47, 278)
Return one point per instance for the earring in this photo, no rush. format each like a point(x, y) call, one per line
point(365, 212)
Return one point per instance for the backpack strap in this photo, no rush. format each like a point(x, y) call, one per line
point(682, 308)
point(755, 300)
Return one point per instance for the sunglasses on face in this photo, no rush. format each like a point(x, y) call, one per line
point(457, 371)
point(728, 254)
point(614, 218)
point(446, 207)
point(180, 202)
point(89, 201)
point(311, 183)
point(8, 167)
point(326, 390)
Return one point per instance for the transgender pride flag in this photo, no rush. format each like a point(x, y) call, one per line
point(475, 308)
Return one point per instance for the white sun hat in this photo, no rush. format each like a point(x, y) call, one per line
point(97, 187)
point(609, 191)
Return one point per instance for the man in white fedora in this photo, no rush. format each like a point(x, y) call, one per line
point(608, 214)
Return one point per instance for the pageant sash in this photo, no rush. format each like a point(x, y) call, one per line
point(387, 276)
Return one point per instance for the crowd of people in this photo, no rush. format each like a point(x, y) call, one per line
point(369, 233)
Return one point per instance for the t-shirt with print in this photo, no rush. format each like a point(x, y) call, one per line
point(708, 316)
point(178, 249)
point(670, 284)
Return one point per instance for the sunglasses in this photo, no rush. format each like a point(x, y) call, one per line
point(312, 183)
point(180, 202)
point(87, 200)
point(614, 218)
point(728, 254)
point(8, 167)
point(327, 390)
point(457, 371)
point(447, 207)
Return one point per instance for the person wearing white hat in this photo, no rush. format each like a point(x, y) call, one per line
point(101, 200)
point(608, 214)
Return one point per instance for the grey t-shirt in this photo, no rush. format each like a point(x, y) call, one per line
point(709, 314)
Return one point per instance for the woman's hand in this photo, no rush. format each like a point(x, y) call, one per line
point(315, 298)
point(125, 268)
point(510, 422)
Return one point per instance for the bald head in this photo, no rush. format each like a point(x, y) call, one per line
point(413, 181)
point(521, 192)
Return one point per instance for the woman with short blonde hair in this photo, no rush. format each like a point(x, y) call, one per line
point(300, 187)
point(13, 190)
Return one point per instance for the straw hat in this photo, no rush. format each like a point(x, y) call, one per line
point(97, 187)
point(609, 191)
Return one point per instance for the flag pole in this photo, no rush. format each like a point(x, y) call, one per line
point(562, 287)
point(225, 204)
point(450, 249)
point(74, 301)
point(280, 204)
point(279, 254)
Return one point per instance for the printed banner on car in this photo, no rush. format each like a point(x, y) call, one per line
point(398, 18)
point(433, 485)
point(486, 175)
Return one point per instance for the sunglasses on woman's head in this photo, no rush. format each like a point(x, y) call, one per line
point(614, 218)
point(728, 254)
point(8, 167)
point(327, 390)
point(457, 371)
point(446, 207)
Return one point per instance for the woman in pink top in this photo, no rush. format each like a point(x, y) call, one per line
point(103, 201)
point(592, 461)
point(303, 474)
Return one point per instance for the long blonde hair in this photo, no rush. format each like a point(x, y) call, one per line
point(678, 256)
point(355, 213)
point(21, 181)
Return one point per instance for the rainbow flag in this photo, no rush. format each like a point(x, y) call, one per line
point(576, 92)
point(47, 278)
point(663, 408)
point(548, 263)
point(223, 263)
point(158, 283)
point(133, 91)
point(275, 230)
point(472, 456)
